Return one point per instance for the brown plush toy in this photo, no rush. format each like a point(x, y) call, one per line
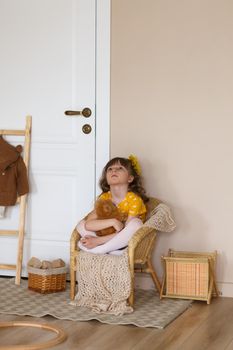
point(105, 209)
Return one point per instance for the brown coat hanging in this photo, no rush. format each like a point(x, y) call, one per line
point(13, 173)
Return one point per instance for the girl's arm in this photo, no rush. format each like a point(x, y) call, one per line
point(92, 242)
point(94, 224)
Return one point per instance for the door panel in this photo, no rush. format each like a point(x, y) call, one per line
point(47, 67)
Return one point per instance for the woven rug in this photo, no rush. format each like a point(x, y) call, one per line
point(149, 310)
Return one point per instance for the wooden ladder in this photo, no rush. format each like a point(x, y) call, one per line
point(22, 202)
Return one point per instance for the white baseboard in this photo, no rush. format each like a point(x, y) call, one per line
point(225, 289)
point(144, 281)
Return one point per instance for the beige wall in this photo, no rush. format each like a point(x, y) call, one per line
point(172, 106)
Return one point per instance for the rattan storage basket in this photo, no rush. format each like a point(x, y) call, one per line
point(189, 275)
point(47, 280)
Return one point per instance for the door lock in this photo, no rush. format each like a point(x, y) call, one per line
point(86, 128)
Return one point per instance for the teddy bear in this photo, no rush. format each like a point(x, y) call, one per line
point(105, 209)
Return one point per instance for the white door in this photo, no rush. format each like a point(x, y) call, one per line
point(47, 66)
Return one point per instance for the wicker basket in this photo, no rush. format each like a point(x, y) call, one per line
point(47, 280)
point(189, 275)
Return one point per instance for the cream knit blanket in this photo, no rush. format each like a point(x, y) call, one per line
point(104, 282)
point(161, 219)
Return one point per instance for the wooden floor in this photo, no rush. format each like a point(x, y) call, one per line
point(200, 327)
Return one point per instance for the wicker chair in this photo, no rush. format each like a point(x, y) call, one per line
point(139, 250)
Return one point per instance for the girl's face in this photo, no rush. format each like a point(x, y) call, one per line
point(117, 174)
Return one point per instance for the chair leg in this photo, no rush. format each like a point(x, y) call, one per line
point(131, 269)
point(72, 284)
point(154, 275)
point(131, 298)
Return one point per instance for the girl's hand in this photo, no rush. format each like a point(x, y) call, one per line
point(90, 241)
point(93, 241)
point(117, 225)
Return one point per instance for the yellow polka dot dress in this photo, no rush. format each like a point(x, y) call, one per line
point(131, 205)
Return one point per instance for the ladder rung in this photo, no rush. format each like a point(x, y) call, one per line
point(7, 267)
point(12, 132)
point(9, 232)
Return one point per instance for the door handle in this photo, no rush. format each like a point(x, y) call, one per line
point(86, 112)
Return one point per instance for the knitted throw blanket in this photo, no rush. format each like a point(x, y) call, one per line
point(161, 219)
point(104, 282)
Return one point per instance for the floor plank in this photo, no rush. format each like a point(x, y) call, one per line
point(180, 331)
point(216, 331)
point(230, 346)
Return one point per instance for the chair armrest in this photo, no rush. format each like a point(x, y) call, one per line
point(139, 235)
point(75, 237)
point(141, 245)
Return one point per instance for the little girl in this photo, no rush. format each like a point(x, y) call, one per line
point(121, 183)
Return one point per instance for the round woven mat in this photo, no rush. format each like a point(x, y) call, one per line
point(60, 336)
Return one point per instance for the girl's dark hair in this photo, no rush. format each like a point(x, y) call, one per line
point(135, 186)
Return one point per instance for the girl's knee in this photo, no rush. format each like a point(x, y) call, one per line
point(135, 223)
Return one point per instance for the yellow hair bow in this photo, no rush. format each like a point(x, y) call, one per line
point(135, 164)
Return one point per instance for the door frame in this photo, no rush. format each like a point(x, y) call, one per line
point(103, 24)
